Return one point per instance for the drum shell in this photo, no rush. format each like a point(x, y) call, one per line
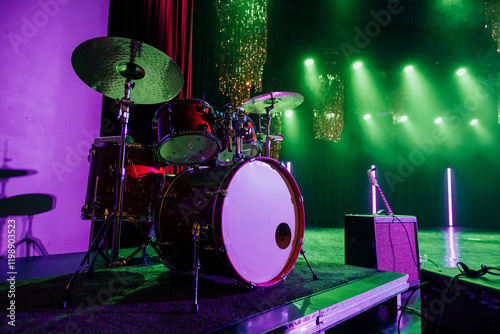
point(198, 197)
point(142, 182)
point(186, 117)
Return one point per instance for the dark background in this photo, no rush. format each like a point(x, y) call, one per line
point(436, 36)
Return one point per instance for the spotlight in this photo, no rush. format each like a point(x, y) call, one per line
point(288, 113)
point(357, 65)
point(309, 62)
point(404, 118)
point(408, 69)
point(461, 72)
point(438, 120)
point(473, 122)
point(367, 116)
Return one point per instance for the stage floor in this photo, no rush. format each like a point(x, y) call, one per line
point(314, 311)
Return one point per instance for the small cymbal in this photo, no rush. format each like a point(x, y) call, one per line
point(6, 173)
point(104, 64)
point(261, 136)
point(282, 101)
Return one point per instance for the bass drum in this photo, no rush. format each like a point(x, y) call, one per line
point(250, 220)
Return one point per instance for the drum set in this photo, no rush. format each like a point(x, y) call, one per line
point(233, 211)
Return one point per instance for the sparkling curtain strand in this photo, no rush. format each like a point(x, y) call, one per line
point(492, 15)
point(397, 105)
point(329, 112)
point(241, 48)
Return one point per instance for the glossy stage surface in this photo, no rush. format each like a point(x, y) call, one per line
point(325, 246)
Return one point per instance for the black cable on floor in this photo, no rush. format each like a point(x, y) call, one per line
point(406, 303)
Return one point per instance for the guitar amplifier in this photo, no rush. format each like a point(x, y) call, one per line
point(387, 243)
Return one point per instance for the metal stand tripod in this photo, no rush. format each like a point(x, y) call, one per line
point(115, 217)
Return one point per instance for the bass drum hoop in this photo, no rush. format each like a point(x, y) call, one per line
point(225, 260)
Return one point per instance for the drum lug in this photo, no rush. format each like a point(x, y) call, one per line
point(250, 285)
point(301, 199)
point(283, 277)
point(213, 194)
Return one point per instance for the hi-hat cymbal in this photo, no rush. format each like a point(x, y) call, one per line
point(104, 63)
point(262, 137)
point(6, 173)
point(282, 101)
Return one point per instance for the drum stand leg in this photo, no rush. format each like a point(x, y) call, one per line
point(95, 246)
point(116, 216)
point(148, 241)
point(151, 236)
point(196, 264)
point(303, 252)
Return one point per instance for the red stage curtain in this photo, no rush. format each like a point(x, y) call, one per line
point(166, 25)
point(170, 29)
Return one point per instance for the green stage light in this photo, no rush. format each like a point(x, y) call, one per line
point(288, 113)
point(438, 120)
point(461, 72)
point(473, 122)
point(367, 116)
point(357, 65)
point(404, 118)
point(408, 69)
point(309, 62)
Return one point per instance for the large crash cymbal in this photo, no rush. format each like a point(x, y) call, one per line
point(282, 101)
point(104, 63)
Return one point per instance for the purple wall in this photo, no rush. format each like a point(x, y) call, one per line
point(49, 118)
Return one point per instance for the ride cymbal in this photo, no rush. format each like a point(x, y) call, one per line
point(274, 101)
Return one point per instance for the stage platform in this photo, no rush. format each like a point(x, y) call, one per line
point(145, 297)
point(321, 311)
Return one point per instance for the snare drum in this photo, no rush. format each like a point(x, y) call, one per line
point(250, 217)
point(186, 133)
point(142, 181)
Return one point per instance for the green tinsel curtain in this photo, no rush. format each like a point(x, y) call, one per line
point(241, 47)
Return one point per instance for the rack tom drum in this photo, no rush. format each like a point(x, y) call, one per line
point(186, 134)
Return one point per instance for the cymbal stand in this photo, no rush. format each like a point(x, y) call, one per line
point(196, 229)
point(268, 127)
point(124, 116)
point(233, 130)
point(228, 123)
point(239, 135)
point(117, 215)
